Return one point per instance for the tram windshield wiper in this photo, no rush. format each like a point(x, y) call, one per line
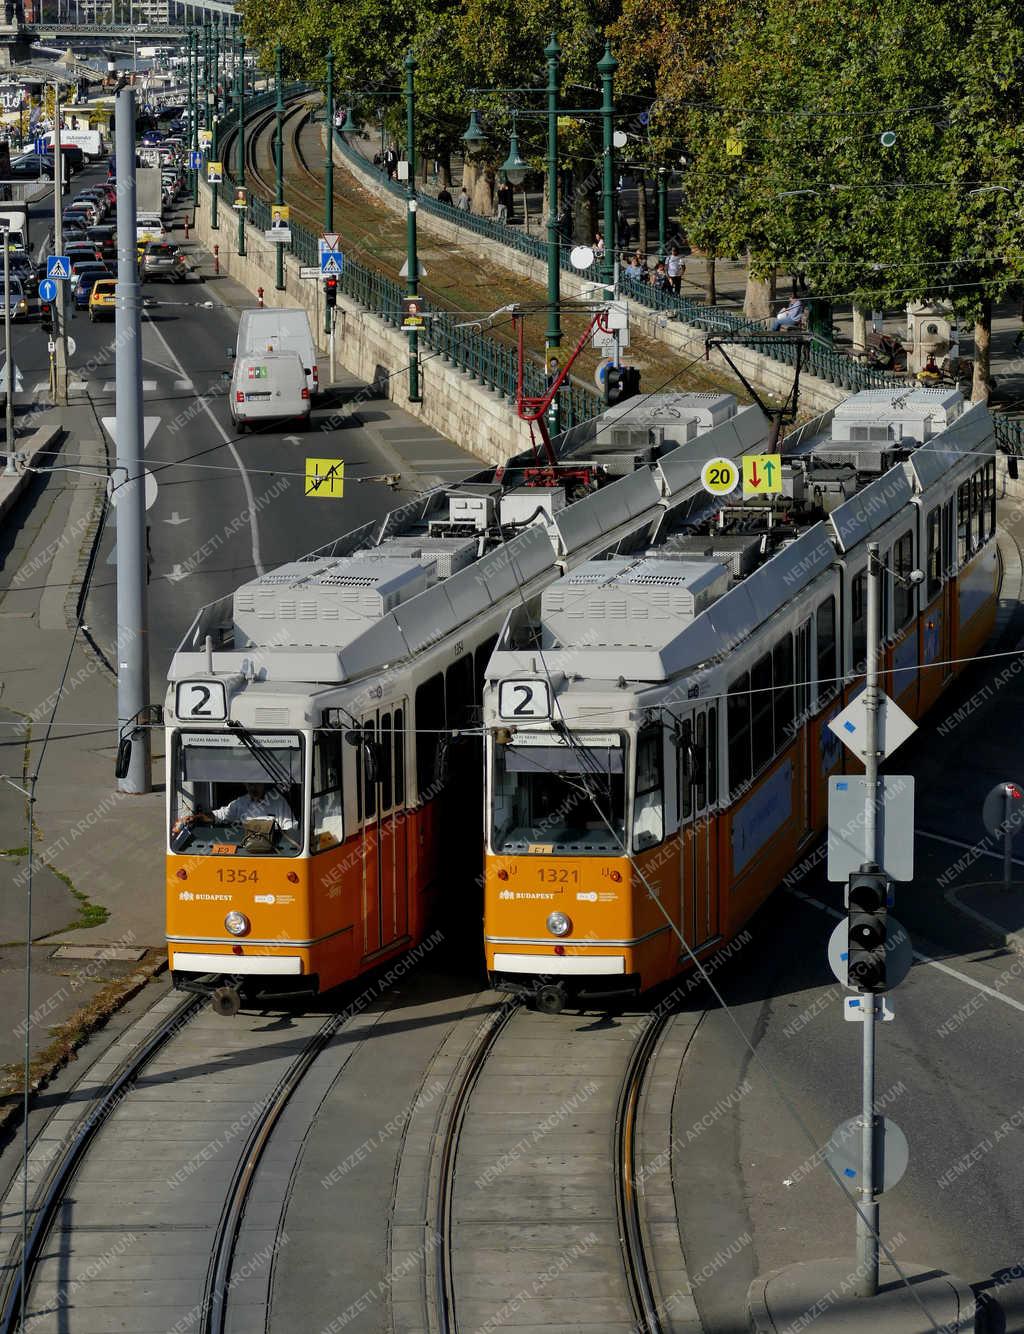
point(279, 776)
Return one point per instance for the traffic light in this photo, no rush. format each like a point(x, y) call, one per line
point(331, 291)
point(620, 383)
point(46, 317)
point(867, 898)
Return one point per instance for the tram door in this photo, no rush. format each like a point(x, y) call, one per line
point(698, 794)
point(380, 776)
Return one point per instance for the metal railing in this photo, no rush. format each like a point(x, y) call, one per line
point(484, 359)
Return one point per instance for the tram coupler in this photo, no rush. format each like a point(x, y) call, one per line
point(226, 1002)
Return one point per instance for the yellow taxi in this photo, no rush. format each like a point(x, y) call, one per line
point(101, 300)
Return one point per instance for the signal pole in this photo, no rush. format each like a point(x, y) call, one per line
point(867, 1219)
point(60, 355)
point(129, 473)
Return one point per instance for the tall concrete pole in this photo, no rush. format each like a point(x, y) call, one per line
point(8, 360)
point(279, 162)
point(412, 259)
point(60, 357)
point(128, 477)
point(240, 169)
point(606, 68)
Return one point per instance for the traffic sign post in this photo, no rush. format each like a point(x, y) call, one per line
point(195, 160)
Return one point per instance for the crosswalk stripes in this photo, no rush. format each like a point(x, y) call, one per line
point(109, 386)
point(184, 384)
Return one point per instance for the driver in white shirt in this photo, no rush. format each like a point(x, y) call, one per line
point(256, 804)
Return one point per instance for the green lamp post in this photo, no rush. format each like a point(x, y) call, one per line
point(241, 141)
point(329, 172)
point(662, 210)
point(606, 67)
point(412, 261)
point(194, 105)
point(553, 334)
point(279, 161)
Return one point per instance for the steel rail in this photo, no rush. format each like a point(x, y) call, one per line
point(47, 1198)
point(627, 1202)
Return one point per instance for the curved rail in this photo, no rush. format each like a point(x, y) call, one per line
point(446, 1171)
point(638, 1276)
point(47, 1199)
point(214, 1305)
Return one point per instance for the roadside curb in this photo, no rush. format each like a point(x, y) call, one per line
point(38, 443)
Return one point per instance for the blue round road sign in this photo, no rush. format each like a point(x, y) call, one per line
point(48, 290)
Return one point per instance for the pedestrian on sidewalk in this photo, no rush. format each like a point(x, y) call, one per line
point(659, 278)
point(675, 267)
point(444, 196)
point(463, 204)
point(504, 198)
point(390, 161)
point(598, 246)
point(633, 269)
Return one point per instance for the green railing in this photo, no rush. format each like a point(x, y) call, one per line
point(1009, 434)
point(491, 363)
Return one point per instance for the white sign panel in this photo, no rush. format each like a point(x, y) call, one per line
point(894, 825)
point(894, 726)
point(201, 701)
point(524, 699)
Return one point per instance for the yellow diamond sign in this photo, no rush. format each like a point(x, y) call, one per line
point(762, 474)
point(325, 478)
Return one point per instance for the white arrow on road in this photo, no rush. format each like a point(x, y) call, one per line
point(177, 574)
point(18, 386)
point(176, 518)
point(149, 425)
point(292, 439)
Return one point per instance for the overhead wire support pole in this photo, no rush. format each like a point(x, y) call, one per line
point(129, 472)
point(553, 337)
point(412, 260)
point(867, 1216)
point(10, 468)
point(329, 189)
point(606, 67)
point(60, 352)
point(214, 101)
point(279, 162)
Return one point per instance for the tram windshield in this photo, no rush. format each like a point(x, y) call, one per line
point(237, 793)
point(556, 797)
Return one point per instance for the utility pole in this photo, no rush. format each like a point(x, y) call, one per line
point(553, 336)
point(412, 260)
point(662, 210)
point(279, 161)
point(10, 468)
point(240, 170)
point(60, 353)
point(867, 1218)
point(193, 96)
point(129, 473)
point(606, 67)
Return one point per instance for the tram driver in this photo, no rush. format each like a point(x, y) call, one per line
point(256, 803)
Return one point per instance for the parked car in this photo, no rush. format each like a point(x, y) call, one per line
point(162, 260)
point(104, 239)
point(15, 297)
point(101, 299)
point(31, 168)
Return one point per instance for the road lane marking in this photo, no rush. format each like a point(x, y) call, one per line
point(254, 532)
point(967, 847)
point(184, 384)
point(921, 958)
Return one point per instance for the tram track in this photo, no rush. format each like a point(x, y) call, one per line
point(178, 1170)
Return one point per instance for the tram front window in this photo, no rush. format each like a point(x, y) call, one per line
point(559, 798)
point(235, 796)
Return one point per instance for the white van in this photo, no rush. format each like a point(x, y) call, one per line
point(269, 386)
point(280, 330)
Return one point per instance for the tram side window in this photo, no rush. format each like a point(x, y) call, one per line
point(458, 692)
point(978, 507)
point(429, 728)
point(700, 762)
point(782, 696)
point(385, 761)
point(762, 739)
point(825, 624)
point(934, 551)
point(399, 757)
point(369, 782)
point(712, 756)
point(686, 779)
point(989, 513)
point(802, 672)
point(648, 808)
point(903, 592)
point(963, 522)
point(738, 718)
point(859, 614)
point(327, 814)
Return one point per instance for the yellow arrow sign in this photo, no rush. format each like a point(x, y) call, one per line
point(325, 478)
point(762, 474)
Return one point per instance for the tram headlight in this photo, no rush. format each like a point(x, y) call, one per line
point(237, 923)
point(559, 924)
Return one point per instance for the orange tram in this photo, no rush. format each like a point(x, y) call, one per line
point(324, 748)
point(657, 749)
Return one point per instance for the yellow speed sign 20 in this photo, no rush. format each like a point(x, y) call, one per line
point(720, 477)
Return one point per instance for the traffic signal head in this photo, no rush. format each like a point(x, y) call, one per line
point(46, 317)
point(867, 899)
point(620, 383)
point(331, 291)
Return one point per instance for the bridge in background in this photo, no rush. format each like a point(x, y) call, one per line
point(185, 14)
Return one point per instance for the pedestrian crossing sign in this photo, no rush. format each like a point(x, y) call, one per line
point(58, 266)
point(325, 478)
point(330, 263)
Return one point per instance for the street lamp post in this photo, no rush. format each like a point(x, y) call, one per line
point(214, 195)
point(606, 67)
point(241, 143)
point(553, 336)
point(662, 210)
point(329, 162)
point(412, 262)
point(279, 161)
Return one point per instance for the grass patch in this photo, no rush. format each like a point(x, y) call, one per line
point(90, 914)
point(14, 852)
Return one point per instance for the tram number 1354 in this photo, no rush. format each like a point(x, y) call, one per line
point(524, 699)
